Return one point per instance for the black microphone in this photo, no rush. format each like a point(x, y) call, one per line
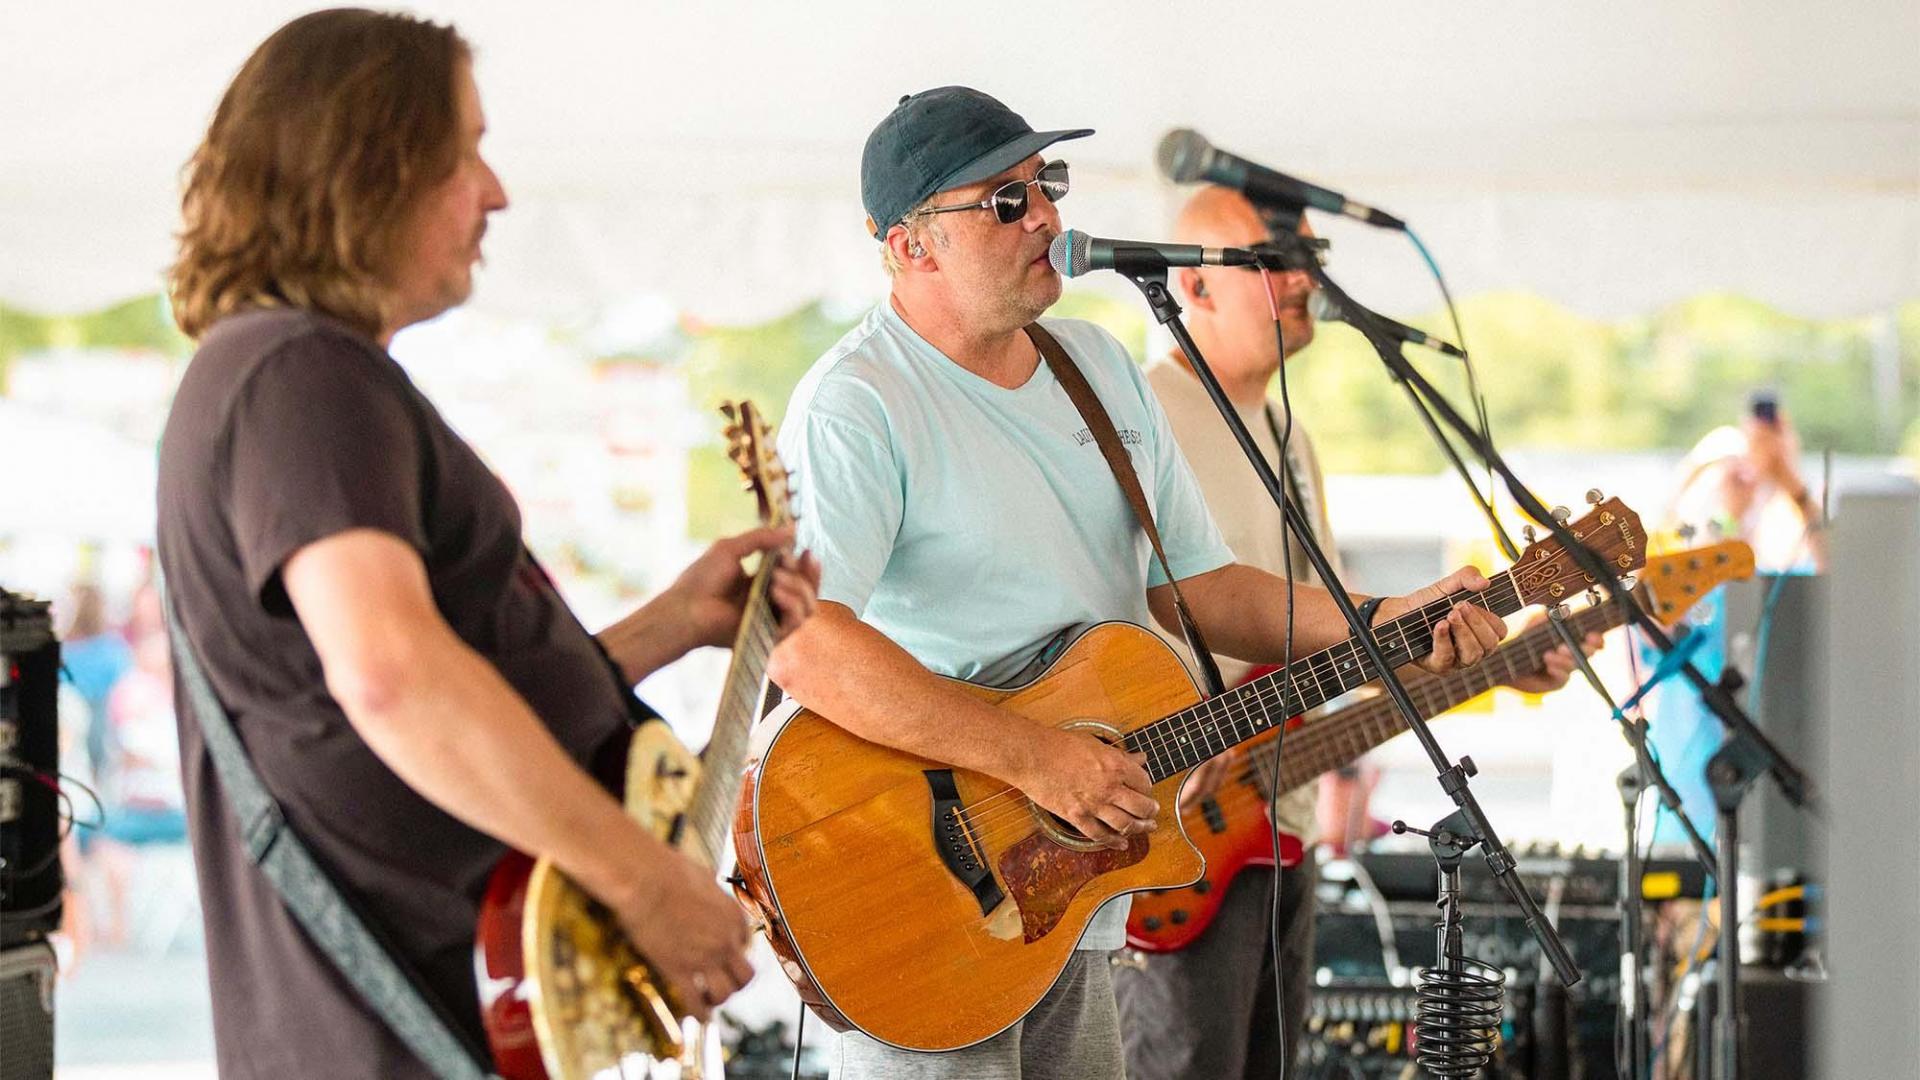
point(1074, 253)
point(1186, 157)
point(1325, 308)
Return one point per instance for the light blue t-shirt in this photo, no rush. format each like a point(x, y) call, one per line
point(970, 523)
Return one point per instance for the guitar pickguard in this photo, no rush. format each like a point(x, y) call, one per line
point(1043, 877)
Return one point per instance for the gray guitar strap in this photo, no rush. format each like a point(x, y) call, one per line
point(339, 930)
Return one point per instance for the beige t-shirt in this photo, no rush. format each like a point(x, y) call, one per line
point(1247, 517)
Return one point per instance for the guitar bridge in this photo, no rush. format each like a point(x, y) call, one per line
point(954, 840)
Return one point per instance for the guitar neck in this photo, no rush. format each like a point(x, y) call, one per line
point(1334, 740)
point(710, 813)
point(1193, 735)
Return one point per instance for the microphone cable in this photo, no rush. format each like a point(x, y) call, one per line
point(1460, 338)
point(1286, 666)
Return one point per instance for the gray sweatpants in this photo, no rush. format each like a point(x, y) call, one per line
point(1072, 1034)
point(1207, 1011)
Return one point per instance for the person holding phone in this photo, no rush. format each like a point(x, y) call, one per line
point(1745, 483)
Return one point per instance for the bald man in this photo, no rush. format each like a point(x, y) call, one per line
point(1208, 1010)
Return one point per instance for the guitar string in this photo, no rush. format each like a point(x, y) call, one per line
point(1418, 637)
point(1408, 632)
point(1337, 731)
point(984, 812)
point(1374, 721)
point(709, 810)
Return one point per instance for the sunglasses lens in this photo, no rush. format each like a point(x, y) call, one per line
point(1010, 202)
point(1052, 181)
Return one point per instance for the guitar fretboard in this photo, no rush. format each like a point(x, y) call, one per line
point(710, 813)
point(1186, 738)
point(1334, 740)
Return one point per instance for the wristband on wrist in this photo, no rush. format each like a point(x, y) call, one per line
point(1370, 607)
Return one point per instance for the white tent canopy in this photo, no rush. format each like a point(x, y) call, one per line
point(1612, 157)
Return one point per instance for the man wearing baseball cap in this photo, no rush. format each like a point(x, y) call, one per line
point(964, 516)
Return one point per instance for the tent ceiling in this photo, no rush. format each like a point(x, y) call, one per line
point(1612, 157)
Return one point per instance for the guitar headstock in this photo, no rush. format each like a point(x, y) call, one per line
point(1676, 581)
point(750, 446)
point(1548, 574)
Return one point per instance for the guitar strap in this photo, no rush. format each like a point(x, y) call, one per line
point(342, 933)
point(1095, 414)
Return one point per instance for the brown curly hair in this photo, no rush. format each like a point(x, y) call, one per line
point(320, 150)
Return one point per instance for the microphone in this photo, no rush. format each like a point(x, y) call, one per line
point(1325, 308)
point(1074, 253)
point(1186, 157)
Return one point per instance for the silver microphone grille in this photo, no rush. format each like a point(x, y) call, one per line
point(1183, 155)
point(1068, 253)
point(1322, 307)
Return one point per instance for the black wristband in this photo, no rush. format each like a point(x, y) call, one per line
point(1368, 607)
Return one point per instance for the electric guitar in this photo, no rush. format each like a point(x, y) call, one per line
point(563, 993)
point(1231, 828)
point(931, 907)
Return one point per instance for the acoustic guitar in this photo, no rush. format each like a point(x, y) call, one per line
point(931, 907)
point(563, 993)
point(1230, 828)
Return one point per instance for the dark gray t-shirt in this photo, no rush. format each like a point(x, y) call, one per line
point(288, 428)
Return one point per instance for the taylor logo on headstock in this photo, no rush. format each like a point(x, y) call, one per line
point(1547, 572)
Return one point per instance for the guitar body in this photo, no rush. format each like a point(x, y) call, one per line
point(587, 1001)
point(1232, 835)
point(842, 859)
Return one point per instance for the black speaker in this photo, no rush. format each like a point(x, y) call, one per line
point(31, 882)
point(26, 1012)
point(1780, 1036)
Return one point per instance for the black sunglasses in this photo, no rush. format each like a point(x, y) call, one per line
point(1009, 201)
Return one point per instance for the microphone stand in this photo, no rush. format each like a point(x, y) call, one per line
point(1747, 752)
point(1651, 775)
point(1148, 271)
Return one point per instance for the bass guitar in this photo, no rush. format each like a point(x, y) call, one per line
point(931, 907)
point(563, 993)
point(1230, 828)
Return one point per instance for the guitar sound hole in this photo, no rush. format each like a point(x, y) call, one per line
point(1066, 826)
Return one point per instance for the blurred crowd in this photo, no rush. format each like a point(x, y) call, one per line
point(119, 740)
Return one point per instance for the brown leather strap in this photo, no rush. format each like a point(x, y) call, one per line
point(1095, 414)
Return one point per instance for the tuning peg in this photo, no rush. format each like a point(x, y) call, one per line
point(1593, 595)
point(1561, 514)
point(1628, 581)
point(1686, 532)
point(728, 410)
point(1594, 498)
point(1529, 533)
point(1558, 613)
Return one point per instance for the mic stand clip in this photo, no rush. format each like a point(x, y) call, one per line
point(1460, 1001)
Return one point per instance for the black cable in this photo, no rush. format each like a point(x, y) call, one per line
point(99, 809)
point(1460, 339)
point(1273, 784)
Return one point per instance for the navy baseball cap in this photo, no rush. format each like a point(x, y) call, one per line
point(941, 139)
